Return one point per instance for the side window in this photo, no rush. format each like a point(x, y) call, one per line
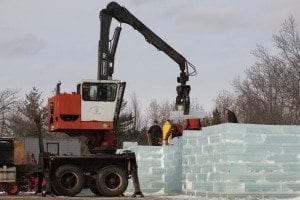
point(86, 91)
point(111, 92)
point(78, 88)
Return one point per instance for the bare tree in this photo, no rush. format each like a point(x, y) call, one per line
point(288, 43)
point(153, 112)
point(136, 112)
point(194, 104)
point(225, 99)
point(270, 94)
point(8, 101)
point(165, 110)
point(159, 111)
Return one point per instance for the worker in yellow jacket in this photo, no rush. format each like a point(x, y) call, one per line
point(166, 132)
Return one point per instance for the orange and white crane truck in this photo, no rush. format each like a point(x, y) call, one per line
point(93, 111)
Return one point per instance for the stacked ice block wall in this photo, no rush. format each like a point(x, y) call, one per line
point(159, 167)
point(242, 159)
point(230, 159)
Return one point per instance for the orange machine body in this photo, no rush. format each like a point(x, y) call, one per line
point(64, 114)
point(193, 124)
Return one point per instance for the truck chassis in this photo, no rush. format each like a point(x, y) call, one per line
point(104, 175)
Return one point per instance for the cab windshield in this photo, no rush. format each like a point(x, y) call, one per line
point(99, 91)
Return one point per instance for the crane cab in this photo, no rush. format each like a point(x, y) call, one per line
point(94, 106)
point(98, 100)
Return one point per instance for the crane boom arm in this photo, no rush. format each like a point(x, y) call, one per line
point(106, 53)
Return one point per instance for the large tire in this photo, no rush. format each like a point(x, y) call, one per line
point(54, 190)
point(111, 181)
point(95, 190)
point(68, 180)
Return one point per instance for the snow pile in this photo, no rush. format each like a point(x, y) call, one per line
point(234, 159)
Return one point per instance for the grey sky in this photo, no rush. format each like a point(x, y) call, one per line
point(42, 42)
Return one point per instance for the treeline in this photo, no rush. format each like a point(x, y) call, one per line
point(19, 116)
point(270, 93)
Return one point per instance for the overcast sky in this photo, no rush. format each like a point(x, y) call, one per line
point(42, 42)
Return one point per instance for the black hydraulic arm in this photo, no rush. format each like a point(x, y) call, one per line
point(106, 52)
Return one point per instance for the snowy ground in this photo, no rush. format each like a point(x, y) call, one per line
point(86, 195)
point(153, 197)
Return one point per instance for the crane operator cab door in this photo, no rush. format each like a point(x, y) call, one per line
point(99, 99)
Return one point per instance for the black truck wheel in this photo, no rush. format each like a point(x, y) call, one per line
point(111, 181)
point(54, 190)
point(68, 180)
point(95, 190)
